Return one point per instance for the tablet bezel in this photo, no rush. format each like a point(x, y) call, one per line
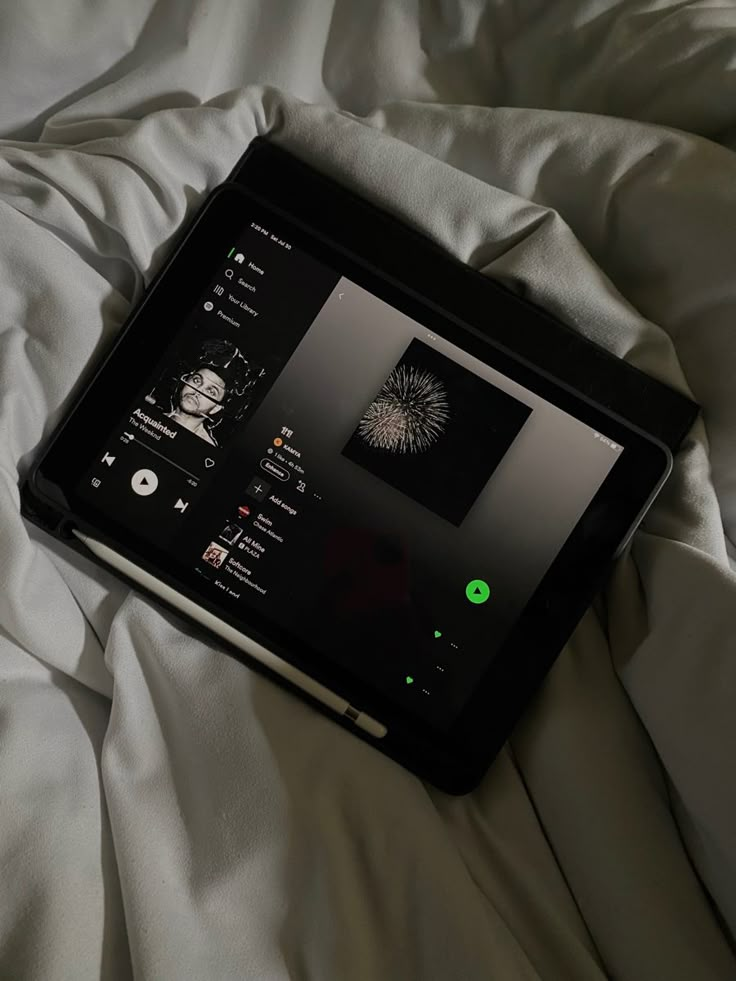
point(453, 759)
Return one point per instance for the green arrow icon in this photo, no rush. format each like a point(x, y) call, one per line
point(477, 591)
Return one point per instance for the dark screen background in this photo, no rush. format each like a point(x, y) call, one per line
point(363, 556)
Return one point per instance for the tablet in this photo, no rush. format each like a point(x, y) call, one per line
point(355, 490)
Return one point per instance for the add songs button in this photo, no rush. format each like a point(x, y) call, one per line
point(274, 469)
point(478, 591)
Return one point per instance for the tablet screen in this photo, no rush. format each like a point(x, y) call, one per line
point(315, 454)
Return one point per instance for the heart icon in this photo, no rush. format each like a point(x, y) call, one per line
point(437, 633)
point(409, 680)
point(209, 462)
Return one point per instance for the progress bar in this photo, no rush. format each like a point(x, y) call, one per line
point(162, 457)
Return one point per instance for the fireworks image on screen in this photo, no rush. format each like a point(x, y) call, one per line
point(409, 413)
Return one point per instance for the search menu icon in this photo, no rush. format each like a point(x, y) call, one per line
point(229, 273)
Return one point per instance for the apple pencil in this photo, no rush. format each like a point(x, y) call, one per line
point(233, 636)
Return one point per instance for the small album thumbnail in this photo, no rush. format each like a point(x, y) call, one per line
point(215, 554)
point(231, 533)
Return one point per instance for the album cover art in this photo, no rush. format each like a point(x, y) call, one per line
point(436, 432)
point(209, 389)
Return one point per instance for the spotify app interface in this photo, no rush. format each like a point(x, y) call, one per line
point(312, 453)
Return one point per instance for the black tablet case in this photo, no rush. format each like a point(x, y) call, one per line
point(371, 233)
point(302, 192)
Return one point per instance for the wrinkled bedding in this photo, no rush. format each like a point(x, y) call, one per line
point(165, 813)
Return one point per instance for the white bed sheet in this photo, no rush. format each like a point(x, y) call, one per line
point(166, 814)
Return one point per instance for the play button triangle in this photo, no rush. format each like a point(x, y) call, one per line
point(477, 591)
point(144, 482)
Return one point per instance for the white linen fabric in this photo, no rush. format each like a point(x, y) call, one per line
point(164, 813)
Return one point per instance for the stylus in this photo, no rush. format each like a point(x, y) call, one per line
point(240, 640)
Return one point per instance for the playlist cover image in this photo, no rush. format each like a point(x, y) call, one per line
point(215, 554)
point(436, 432)
point(209, 389)
point(231, 533)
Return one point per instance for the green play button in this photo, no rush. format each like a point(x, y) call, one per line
point(477, 591)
